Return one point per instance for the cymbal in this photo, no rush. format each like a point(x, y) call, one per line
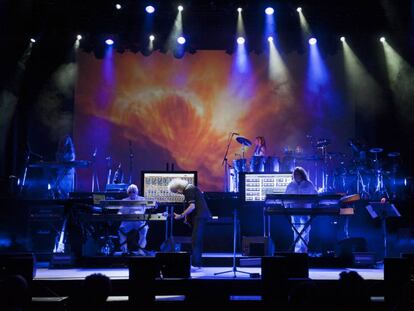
point(322, 142)
point(394, 154)
point(376, 150)
point(244, 141)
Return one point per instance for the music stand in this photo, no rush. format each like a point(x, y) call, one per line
point(383, 211)
point(234, 267)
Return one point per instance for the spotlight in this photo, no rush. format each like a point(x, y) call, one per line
point(118, 6)
point(150, 9)
point(382, 39)
point(181, 40)
point(239, 10)
point(312, 41)
point(79, 37)
point(152, 37)
point(109, 42)
point(240, 40)
point(342, 39)
point(299, 9)
point(269, 11)
point(270, 39)
point(180, 8)
point(32, 40)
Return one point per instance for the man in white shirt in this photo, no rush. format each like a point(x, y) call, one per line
point(300, 185)
point(127, 226)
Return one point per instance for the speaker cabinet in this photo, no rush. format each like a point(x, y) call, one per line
point(257, 246)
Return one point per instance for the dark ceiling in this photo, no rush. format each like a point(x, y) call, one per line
point(207, 24)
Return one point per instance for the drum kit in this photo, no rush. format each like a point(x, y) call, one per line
point(367, 172)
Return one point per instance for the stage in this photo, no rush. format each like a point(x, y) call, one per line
point(45, 274)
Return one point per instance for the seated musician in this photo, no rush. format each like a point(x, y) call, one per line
point(127, 227)
point(260, 146)
point(300, 185)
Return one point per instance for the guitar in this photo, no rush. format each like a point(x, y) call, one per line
point(60, 245)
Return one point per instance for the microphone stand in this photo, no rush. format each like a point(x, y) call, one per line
point(94, 175)
point(225, 163)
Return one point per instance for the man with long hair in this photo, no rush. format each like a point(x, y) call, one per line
point(300, 185)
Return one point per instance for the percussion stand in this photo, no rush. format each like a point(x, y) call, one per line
point(226, 165)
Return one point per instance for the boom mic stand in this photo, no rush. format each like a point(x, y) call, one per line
point(226, 165)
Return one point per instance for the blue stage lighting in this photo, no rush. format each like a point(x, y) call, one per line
point(269, 11)
point(181, 40)
point(109, 41)
point(312, 41)
point(240, 40)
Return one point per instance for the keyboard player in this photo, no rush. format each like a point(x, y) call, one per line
point(127, 227)
point(300, 185)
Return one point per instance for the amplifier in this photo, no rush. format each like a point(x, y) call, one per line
point(46, 213)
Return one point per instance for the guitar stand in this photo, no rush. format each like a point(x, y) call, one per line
point(234, 267)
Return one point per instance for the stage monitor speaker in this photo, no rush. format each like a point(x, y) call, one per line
point(142, 274)
point(174, 265)
point(257, 246)
point(297, 264)
point(18, 263)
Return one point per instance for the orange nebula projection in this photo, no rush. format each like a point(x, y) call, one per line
point(181, 111)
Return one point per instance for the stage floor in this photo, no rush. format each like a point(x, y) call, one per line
point(206, 273)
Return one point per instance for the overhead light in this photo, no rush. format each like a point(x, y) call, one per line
point(181, 40)
point(312, 41)
point(269, 11)
point(150, 9)
point(240, 40)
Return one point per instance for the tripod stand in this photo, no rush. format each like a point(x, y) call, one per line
point(234, 268)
